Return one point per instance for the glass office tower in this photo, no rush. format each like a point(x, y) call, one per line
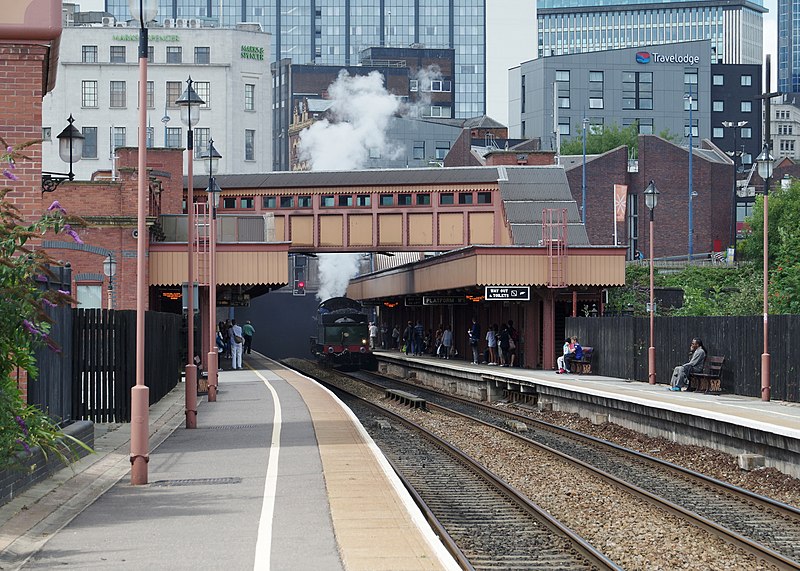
point(789, 46)
point(333, 32)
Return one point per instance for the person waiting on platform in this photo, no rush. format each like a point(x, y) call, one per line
point(575, 355)
point(447, 343)
point(565, 350)
point(680, 375)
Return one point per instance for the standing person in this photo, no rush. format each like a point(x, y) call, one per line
point(474, 333)
point(491, 342)
point(680, 375)
point(437, 340)
point(565, 350)
point(247, 332)
point(419, 335)
point(447, 342)
point(237, 342)
point(513, 343)
point(395, 337)
point(373, 335)
point(575, 355)
point(384, 336)
point(503, 340)
point(408, 337)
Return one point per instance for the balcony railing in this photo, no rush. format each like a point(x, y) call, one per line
point(231, 228)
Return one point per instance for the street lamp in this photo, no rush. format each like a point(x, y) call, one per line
point(144, 11)
point(690, 99)
point(734, 125)
point(190, 103)
point(213, 191)
point(651, 200)
point(110, 270)
point(765, 163)
point(585, 124)
point(70, 150)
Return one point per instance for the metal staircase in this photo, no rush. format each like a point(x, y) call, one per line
point(554, 238)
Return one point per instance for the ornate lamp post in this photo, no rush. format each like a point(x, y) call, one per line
point(734, 125)
point(70, 150)
point(585, 124)
point(690, 99)
point(110, 270)
point(213, 201)
point(190, 103)
point(651, 200)
point(765, 164)
point(143, 11)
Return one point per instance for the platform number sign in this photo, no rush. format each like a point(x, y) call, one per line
point(508, 293)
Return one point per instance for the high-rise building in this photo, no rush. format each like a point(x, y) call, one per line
point(335, 32)
point(734, 27)
point(788, 46)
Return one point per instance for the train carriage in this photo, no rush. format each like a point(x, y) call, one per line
point(342, 335)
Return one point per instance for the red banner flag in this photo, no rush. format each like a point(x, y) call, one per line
point(620, 200)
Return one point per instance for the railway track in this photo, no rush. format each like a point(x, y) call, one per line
point(492, 526)
point(766, 528)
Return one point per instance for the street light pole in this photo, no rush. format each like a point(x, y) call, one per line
point(651, 200)
point(765, 164)
point(144, 11)
point(734, 125)
point(689, 97)
point(585, 123)
point(213, 200)
point(190, 103)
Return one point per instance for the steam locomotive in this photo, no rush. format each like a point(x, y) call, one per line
point(343, 335)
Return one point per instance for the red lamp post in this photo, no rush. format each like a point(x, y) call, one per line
point(765, 163)
point(213, 200)
point(651, 200)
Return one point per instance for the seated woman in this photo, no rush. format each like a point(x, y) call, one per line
point(680, 375)
point(566, 350)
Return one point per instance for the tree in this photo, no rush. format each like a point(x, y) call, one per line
point(605, 138)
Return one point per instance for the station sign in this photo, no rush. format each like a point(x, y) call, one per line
point(413, 300)
point(508, 293)
point(444, 300)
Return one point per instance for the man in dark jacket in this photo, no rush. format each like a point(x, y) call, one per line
point(474, 337)
point(680, 375)
point(408, 338)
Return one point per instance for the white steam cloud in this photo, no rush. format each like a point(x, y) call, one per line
point(335, 273)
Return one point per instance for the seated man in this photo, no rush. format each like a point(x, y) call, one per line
point(575, 355)
point(680, 375)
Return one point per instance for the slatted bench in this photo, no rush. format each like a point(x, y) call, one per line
point(583, 366)
point(710, 380)
point(405, 398)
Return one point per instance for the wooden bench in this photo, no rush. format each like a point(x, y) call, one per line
point(710, 380)
point(582, 366)
point(405, 398)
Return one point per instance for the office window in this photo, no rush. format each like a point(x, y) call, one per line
point(203, 89)
point(150, 137)
point(174, 137)
point(174, 54)
point(174, 91)
point(249, 97)
point(747, 80)
point(596, 90)
point(441, 149)
point(268, 202)
point(413, 85)
point(118, 136)
point(247, 202)
point(117, 94)
point(386, 200)
point(747, 106)
point(47, 133)
point(374, 153)
point(287, 201)
point(718, 132)
point(646, 126)
point(229, 202)
point(423, 199)
point(403, 200)
point(201, 137)
point(249, 145)
point(746, 133)
point(637, 90)
point(117, 54)
point(465, 198)
point(88, 94)
point(345, 200)
point(303, 202)
point(718, 80)
point(718, 106)
point(686, 103)
point(484, 198)
point(564, 125)
point(562, 81)
point(695, 129)
point(89, 142)
point(89, 54)
point(446, 198)
point(522, 98)
point(202, 55)
point(150, 95)
point(326, 201)
point(363, 200)
point(595, 103)
point(418, 151)
point(151, 54)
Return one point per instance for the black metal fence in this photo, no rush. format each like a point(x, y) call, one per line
point(97, 373)
point(620, 348)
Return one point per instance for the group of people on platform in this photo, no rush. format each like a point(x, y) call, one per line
point(571, 351)
point(234, 340)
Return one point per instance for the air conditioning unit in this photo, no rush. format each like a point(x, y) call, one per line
point(108, 21)
point(180, 23)
point(121, 25)
point(193, 23)
point(169, 23)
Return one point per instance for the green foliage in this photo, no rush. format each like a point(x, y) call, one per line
point(606, 139)
point(24, 324)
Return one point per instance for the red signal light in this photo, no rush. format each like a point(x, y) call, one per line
point(301, 284)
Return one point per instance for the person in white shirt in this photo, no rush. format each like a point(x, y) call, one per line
point(237, 344)
point(373, 335)
point(562, 365)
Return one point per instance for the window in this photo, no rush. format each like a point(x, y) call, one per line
point(118, 136)
point(413, 85)
point(363, 200)
point(247, 202)
point(562, 84)
point(268, 202)
point(690, 78)
point(747, 80)
point(637, 90)
point(563, 125)
point(718, 80)
point(747, 106)
point(88, 94)
point(522, 98)
point(345, 200)
point(249, 97)
point(201, 137)
point(686, 103)
point(326, 201)
point(150, 96)
point(746, 133)
point(446, 198)
point(229, 202)
point(403, 200)
point(465, 198)
point(202, 55)
point(418, 152)
point(150, 137)
point(174, 137)
point(47, 133)
point(387, 200)
point(151, 54)
point(596, 90)
point(117, 94)
point(117, 54)
point(287, 201)
point(718, 132)
point(441, 150)
point(89, 142)
point(174, 54)
point(595, 103)
point(90, 296)
point(89, 54)
point(174, 91)
point(695, 130)
point(203, 89)
point(374, 152)
point(249, 145)
point(304, 202)
point(718, 106)
point(423, 199)
point(484, 198)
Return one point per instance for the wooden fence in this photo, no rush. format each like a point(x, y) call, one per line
point(620, 348)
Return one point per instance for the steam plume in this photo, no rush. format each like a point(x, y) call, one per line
point(335, 273)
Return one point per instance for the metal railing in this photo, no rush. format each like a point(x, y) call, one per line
point(231, 228)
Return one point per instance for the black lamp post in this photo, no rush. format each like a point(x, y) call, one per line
point(651, 200)
point(70, 149)
point(765, 164)
point(734, 126)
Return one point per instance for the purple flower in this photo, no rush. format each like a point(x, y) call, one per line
point(24, 445)
point(9, 175)
point(56, 206)
point(75, 236)
point(10, 149)
point(32, 329)
point(48, 303)
point(22, 424)
point(64, 292)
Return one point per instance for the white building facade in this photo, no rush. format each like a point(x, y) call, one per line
point(97, 84)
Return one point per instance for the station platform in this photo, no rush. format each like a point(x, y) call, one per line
point(278, 475)
point(731, 423)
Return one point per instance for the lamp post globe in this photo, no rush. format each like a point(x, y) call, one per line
point(70, 144)
point(190, 103)
point(143, 10)
point(651, 196)
point(765, 163)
